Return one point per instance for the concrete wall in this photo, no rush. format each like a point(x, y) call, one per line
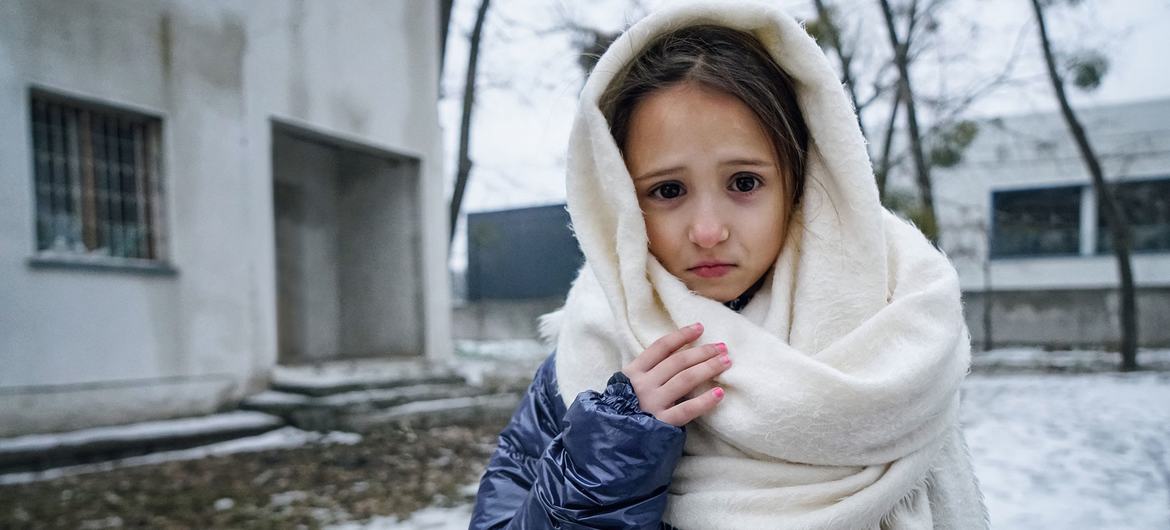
point(1066, 318)
point(501, 319)
point(88, 347)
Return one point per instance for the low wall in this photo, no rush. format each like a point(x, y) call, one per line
point(1057, 319)
point(501, 319)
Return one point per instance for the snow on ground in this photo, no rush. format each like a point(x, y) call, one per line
point(1070, 451)
point(486, 360)
point(1032, 359)
point(1082, 451)
point(146, 430)
point(283, 438)
point(433, 518)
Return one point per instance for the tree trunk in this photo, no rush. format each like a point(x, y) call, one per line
point(988, 296)
point(921, 169)
point(465, 122)
point(883, 168)
point(1114, 216)
point(444, 29)
point(846, 58)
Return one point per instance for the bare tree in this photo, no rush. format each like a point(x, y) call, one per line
point(1114, 216)
point(829, 29)
point(464, 170)
point(900, 45)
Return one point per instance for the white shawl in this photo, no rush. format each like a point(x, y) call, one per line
point(841, 407)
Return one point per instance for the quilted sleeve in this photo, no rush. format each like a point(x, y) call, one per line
point(605, 464)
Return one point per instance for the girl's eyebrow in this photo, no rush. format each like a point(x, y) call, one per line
point(755, 162)
point(745, 162)
point(660, 173)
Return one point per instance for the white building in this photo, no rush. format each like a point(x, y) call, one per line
point(1023, 187)
point(195, 191)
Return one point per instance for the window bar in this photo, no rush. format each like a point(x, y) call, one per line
point(73, 165)
point(57, 202)
point(103, 193)
point(41, 174)
point(157, 189)
point(89, 199)
point(140, 198)
point(125, 193)
point(118, 241)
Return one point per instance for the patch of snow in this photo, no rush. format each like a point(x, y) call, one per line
point(1064, 360)
point(478, 361)
point(340, 438)
point(1081, 451)
point(287, 498)
point(148, 430)
point(224, 504)
point(435, 406)
point(112, 521)
point(432, 518)
point(283, 438)
point(362, 371)
point(274, 397)
point(517, 349)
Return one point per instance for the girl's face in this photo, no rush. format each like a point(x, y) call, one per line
point(710, 188)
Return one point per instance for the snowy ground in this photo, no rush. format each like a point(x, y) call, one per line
point(1072, 451)
point(1059, 440)
point(1060, 450)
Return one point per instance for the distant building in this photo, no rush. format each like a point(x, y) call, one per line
point(1020, 220)
point(196, 191)
point(520, 265)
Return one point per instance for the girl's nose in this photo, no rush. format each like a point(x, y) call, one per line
point(708, 229)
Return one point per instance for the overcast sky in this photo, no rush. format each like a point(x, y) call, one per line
point(530, 77)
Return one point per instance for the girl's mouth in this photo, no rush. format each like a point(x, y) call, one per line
point(711, 270)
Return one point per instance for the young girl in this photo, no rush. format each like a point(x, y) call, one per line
point(754, 342)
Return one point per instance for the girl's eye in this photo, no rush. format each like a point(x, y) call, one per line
point(667, 190)
point(745, 182)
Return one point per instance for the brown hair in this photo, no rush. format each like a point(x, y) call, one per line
point(723, 59)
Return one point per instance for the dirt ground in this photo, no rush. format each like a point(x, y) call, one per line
point(394, 470)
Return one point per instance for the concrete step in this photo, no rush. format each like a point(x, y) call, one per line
point(329, 412)
point(447, 411)
point(338, 377)
point(43, 451)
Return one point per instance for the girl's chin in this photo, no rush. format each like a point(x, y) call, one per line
point(721, 291)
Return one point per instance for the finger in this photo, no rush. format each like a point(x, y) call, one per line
point(681, 360)
point(686, 381)
point(665, 346)
point(688, 410)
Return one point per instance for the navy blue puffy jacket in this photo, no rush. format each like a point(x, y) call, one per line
point(603, 463)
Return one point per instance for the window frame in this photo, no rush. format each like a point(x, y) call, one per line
point(1103, 228)
point(158, 225)
point(994, 233)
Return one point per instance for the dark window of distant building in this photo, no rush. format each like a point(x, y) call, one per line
point(1037, 222)
point(1147, 209)
point(97, 182)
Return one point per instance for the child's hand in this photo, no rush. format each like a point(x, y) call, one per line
point(662, 375)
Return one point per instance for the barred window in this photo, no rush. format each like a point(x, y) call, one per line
point(97, 183)
point(1040, 222)
point(1147, 208)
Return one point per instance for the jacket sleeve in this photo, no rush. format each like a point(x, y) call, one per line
point(606, 464)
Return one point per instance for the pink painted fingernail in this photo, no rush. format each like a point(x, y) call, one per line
point(721, 347)
point(725, 360)
point(718, 393)
point(696, 326)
